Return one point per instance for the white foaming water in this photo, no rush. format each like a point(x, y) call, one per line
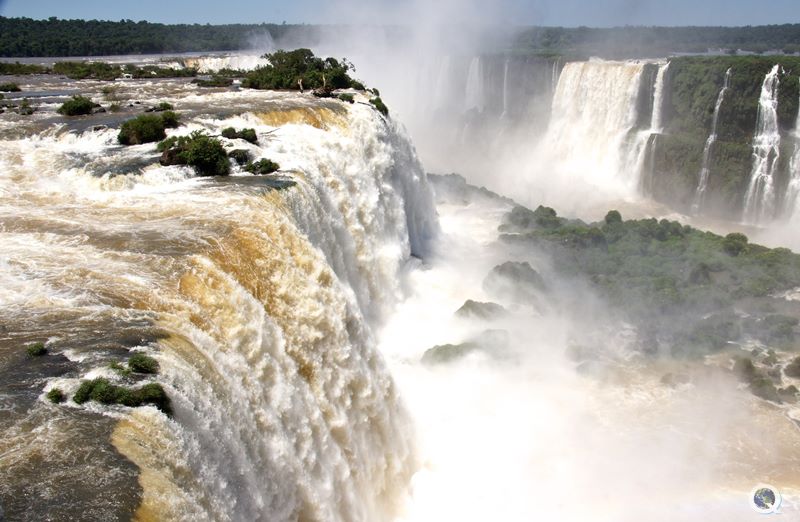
point(792, 198)
point(702, 183)
point(283, 409)
point(657, 124)
point(212, 64)
point(759, 201)
point(591, 138)
point(527, 437)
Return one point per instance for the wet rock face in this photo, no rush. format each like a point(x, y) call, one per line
point(479, 310)
point(516, 281)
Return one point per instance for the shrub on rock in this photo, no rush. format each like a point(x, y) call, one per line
point(248, 135)
point(198, 150)
point(36, 350)
point(240, 156)
point(77, 106)
point(141, 363)
point(102, 391)
point(9, 87)
point(146, 128)
point(262, 166)
point(170, 120)
point(56, 396)
point(380, 106)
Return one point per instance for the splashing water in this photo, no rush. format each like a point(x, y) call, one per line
point(702, 183)
point(759, 201)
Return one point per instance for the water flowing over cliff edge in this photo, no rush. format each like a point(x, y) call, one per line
point(258, 304)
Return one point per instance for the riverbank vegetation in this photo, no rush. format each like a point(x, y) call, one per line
point(689, 291)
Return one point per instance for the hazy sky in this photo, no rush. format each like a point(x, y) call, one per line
point(518, 12)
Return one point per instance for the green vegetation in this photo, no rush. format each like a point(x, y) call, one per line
point(481, 310)
point(262, 166)
point(198, 150)
point(446, 353)
point(693, 84)
point(244, 134)
point(300, 70)
point(25, 108)
point(170, 120)
point(56, 396)
point(759, 383)
point(140, 363)
point(9, 87)
point(17, 68)
point(793, 368)
point(638, 42)
point(240, 156)
point(54, 37)
point(380, 106)
point(215, 81)
point(147, 128)
point(347, 97)
point(690, 290)
point(36, 350)
point(163, 106)
point(102, 391)
point(77, 106)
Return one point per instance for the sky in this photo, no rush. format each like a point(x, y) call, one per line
point(593, 13)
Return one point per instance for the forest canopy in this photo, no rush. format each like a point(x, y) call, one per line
point(26, 37)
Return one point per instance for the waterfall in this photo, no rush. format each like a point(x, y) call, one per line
point(263, 301)
point(657, 123)
point(554, 74)
point(792, 198)
point(759, 201)
point(700, 193)
point(592, 133)
point(505, 89)
point(441, 93)
point(474, 94)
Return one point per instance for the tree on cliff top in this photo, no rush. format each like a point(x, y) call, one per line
point(299, 70)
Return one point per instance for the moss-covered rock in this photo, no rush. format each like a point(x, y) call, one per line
point(248, 135)
point(479, 310)
point(346, 97)
point(262, 166)
point(491, 342)
point(240, 156)
point(517, 281)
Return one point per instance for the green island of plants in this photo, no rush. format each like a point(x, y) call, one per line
point(77, 106)
point(9, 87)
point(36, 350)
point(262, 166)
point(248, 135)
point(689, 291)
point(301, 70)
point(103, 391)
point(198, 150)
